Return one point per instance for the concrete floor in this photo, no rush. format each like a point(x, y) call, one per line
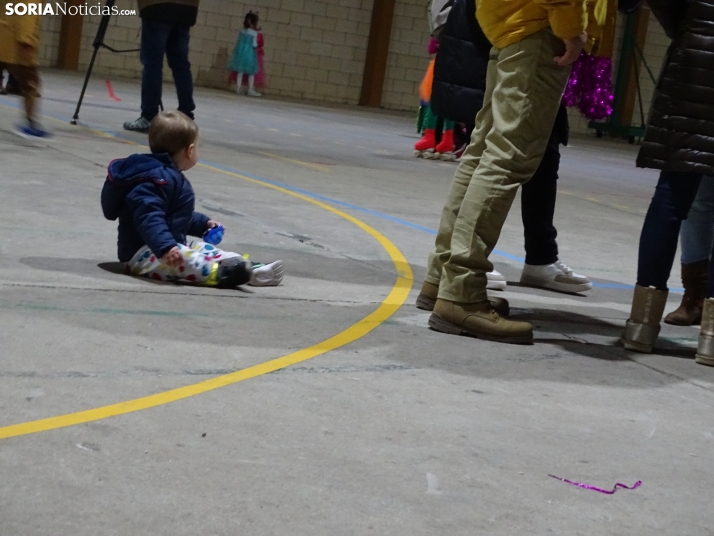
point(402, 432)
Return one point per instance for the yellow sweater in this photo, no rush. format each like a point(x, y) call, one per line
point(506, 22)
point(16, 29)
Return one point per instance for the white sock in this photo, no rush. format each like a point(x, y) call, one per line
point(251, 82)
point(239, 82)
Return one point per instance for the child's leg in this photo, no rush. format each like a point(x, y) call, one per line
point(446, 145)
point(262, 275)
point(239, 82)
point(28, 82)
point(203, 264)
point(428, 141)
point(251, 89)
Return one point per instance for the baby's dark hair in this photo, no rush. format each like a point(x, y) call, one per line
point(170, 132)
point(250, 20)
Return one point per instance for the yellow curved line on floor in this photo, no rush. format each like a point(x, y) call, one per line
point(298, 162)
point(396, 298)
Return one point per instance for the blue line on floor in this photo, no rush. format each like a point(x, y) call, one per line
point(510, 257)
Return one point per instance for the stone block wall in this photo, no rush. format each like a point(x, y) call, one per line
point(314, 49)
point(49, 46)
point(408, 58)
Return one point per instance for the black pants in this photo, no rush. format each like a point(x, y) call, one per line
point(538, 199)
point(159, 39)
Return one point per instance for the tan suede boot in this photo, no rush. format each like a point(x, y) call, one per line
point(478, 320)
point(705, 349)
point(695, 278)
point(429, 293)
point(642, 328)
point(427, 296)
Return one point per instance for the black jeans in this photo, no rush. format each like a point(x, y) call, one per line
point(538, 206)
point(670, 205)
point(157, 39)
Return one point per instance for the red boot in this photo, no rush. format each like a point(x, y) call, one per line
point(426, 144)
point(446, 145)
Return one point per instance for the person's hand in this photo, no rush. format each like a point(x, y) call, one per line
point(172, 257)
point(212, 224)
point(573, 48)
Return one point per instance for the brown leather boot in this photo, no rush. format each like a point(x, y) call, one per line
point(429, 293)
point(705, 349)
point(642, 328)
point(478, 320)
point(695, 278)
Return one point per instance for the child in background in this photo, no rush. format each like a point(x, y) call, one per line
point(260, 79)
point(427, 146)
point(260, 76)
point(154, 203)
point(245, 56)
point(19, 47)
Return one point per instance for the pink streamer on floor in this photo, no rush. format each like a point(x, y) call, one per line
point(110, 89)
point(600, 490)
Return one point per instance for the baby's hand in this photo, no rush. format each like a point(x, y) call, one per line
point(212, 224)
point(173, 257)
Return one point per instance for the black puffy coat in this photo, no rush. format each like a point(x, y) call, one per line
point(461, 64)
point(680, 133)
point(460, 71)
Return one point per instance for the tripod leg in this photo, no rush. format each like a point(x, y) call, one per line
point(84, 87)
point(98, 42)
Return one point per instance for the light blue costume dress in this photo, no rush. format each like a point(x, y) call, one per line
point(245, 57)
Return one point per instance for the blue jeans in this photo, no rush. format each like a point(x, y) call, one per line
point(159, 39)
point(697, 233)
point(670, 206)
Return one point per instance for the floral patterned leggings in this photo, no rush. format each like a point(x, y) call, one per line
point(200, 266)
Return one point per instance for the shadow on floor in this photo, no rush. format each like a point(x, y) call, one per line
point(569, 347)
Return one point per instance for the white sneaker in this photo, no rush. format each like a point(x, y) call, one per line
point(557, 276)
point(496, 281)
point(253, 93)
point(267, 275)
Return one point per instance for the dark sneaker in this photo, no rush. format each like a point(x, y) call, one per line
point(140, 125)
point(234, 272)
point(267, 275)
point(32, 131)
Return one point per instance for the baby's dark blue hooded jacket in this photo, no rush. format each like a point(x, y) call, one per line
point(154, 203)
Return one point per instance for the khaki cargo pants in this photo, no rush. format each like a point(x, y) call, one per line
point(524, 87)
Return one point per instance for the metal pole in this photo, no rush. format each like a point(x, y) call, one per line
point(98, 43)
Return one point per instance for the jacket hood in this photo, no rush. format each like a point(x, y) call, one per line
point(124, 174)
point(139, 167)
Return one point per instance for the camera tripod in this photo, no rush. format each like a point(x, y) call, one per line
point(98, 43)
